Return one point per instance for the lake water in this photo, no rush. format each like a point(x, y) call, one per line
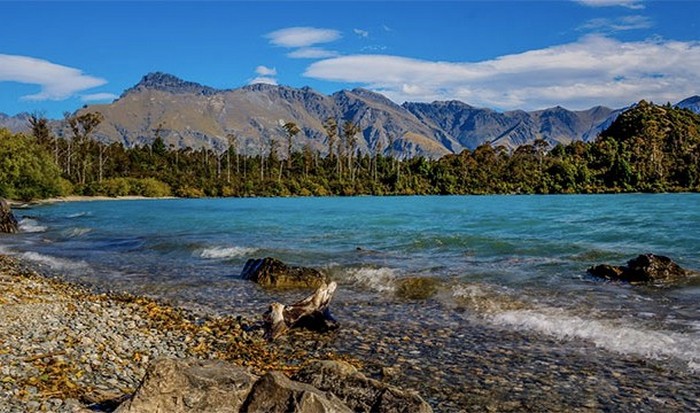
point(511, 271)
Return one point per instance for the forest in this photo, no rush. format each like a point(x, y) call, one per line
point(649, 148)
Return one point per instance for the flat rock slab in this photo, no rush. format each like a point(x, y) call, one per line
point(189, 386)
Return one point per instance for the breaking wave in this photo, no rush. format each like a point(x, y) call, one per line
point(612, 335)
point(55, 263)
point(31, 225)
point(377, 279)
point(219, 253)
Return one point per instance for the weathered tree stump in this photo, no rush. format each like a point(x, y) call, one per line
point(8, 222)
point(313, 312)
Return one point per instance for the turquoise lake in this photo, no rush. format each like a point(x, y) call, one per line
point(505, 266)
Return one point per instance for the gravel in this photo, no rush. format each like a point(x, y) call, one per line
point(64, 348)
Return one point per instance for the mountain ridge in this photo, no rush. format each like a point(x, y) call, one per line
point(189, 114)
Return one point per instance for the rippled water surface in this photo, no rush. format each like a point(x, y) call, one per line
point(511, 270)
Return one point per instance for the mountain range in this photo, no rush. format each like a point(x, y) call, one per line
point(188, 114)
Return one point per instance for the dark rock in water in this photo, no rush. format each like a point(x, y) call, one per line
point(189, 385)
point(646, 268)
point(274, 392)
point(8, 222)
point(358, 392)
point(271, 272)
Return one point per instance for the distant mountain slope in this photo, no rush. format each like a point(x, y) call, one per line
point(188, 114)
point(472, 126)
point(691, 103)
point(16, 123)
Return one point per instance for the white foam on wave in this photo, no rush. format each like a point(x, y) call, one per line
point(55, 263)
point(377, 279)
point(620, 336)
point(31, 225)
point(607, 334)
point(77, 232)
point(78, 214)
point(219, 253)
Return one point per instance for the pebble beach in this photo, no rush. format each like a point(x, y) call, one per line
point(65, 348)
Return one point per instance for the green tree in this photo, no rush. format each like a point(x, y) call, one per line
point(27, 170)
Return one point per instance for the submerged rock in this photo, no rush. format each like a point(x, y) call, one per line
point(189, 385)
point(8, 222)
point(646, 268)
point(358, 392)
point(416, 288)
point(271, 272)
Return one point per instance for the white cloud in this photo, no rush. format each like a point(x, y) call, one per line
point(361, 33)
point(302, 36)
point(630, 4)
point(264, 80)
point(265, 75)
point(57, 82)
point(96, 97)
point(266, 71)
point(311, 53)
point(605, 25)
point(594, 70)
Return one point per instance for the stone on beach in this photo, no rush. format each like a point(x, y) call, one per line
point(646, 268)
point(191, 385)
point(271, 272)
point(274, 392)
point(360, 393)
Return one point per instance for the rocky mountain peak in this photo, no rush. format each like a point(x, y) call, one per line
point(172, 84)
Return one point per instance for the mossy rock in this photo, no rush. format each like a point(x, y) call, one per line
point(416, 288)
point(273, 273)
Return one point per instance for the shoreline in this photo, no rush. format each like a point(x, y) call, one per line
point(17, 204)
point(81, 198)
point(64, 348)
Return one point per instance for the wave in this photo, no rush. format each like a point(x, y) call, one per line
point(78, 214)
point(55, 263)
point(502, 310)
point(77, 232)
point(219, 253)
point(31, 225)
point(377, 279)
point(653, 344)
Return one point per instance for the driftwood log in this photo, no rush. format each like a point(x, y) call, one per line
point(8, 222)
point(313, 312)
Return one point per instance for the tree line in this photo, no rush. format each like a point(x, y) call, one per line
point(649, 148)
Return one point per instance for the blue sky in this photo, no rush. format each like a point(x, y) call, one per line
point(57, 56)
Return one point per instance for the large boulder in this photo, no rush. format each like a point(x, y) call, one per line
point(646, 268)
point(358, 392)
point(271, 272)
point(274, 392)
point(8, 222)
point(190, 385)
